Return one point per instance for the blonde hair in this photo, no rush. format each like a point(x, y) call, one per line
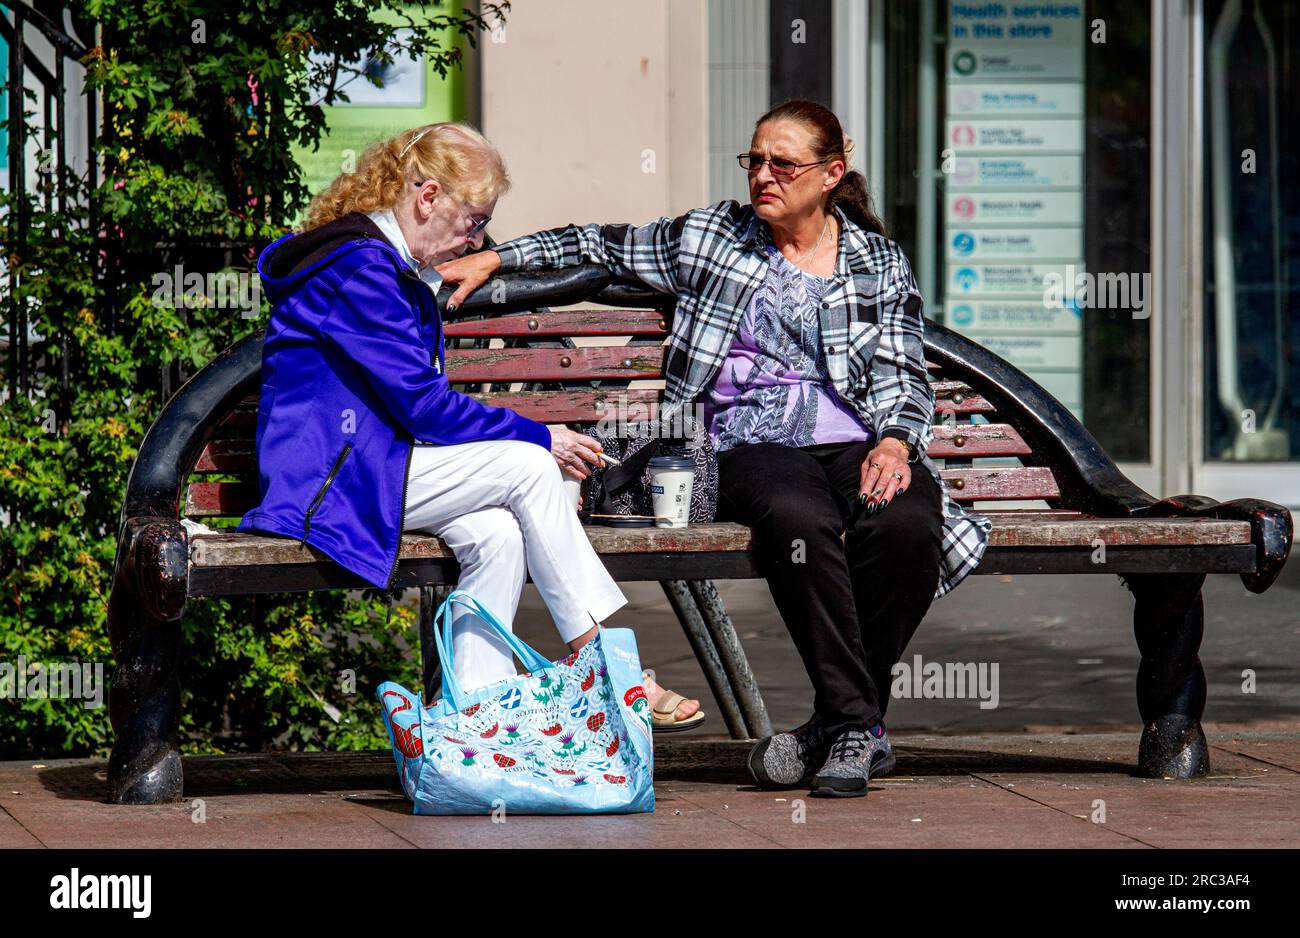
point(455, 154)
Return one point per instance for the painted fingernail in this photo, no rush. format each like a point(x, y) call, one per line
point(883, 504)
point(871, 509)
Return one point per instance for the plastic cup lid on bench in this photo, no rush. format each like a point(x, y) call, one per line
point(672, 463)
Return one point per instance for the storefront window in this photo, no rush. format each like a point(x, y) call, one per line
point(1030, 126)
point(1252, 230)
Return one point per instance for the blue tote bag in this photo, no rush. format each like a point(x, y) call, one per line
point(566, 737)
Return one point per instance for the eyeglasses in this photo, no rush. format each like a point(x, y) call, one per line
point(752, 163)
point(475, 228)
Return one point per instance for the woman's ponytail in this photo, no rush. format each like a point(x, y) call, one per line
point(852, 197)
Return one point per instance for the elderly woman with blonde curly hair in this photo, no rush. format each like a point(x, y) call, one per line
point(360, 436)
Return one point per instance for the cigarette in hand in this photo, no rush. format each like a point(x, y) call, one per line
point(610, 459)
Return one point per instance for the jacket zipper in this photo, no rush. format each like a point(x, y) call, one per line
point(401, 517)
point(320, 494)
point(421, 292)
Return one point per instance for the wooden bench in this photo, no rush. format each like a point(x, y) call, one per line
point(1000, 437)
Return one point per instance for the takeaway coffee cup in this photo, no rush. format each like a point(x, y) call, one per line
point(671, 478)
point(572, 489)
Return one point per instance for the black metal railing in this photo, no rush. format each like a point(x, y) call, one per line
point(21, 20)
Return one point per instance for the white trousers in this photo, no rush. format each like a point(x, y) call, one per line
point(501, 507)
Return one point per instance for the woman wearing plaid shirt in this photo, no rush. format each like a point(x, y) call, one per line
point(798, 333)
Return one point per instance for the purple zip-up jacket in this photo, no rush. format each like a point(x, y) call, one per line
point(353, 374)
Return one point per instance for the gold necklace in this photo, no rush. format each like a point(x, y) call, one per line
point(818, 244)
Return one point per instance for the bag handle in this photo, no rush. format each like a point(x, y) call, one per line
point(615, 478)
point(442, 638)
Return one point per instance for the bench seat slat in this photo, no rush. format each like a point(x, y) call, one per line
point(216, 550)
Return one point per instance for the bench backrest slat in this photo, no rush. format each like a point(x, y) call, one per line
point(966, 441)
point(232, 499)
point(569, 322)
point(627, 362)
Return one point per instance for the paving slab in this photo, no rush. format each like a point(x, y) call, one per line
point(976, 790)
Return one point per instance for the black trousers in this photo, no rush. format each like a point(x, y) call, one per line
point(851, 605)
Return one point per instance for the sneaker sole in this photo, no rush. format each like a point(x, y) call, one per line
point(828, 790)
point(853, 787)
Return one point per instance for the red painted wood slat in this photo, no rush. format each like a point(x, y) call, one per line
point(1010, 482)
point(573, 322)
point(970, 440)
point(555, 364)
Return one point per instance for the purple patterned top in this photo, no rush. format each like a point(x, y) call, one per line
point(773, 385)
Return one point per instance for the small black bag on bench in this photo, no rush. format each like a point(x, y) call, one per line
point(625, 489)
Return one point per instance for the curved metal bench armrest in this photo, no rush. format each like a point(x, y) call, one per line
point(1088, 478)
point(1271, 529)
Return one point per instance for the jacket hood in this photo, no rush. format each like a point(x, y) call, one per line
point(287, 261)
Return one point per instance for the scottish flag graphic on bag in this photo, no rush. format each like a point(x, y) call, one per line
point(566, 737)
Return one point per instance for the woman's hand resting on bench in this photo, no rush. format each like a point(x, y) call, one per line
point(470, 272)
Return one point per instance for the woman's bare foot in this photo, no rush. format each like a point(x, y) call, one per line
point(685, 710)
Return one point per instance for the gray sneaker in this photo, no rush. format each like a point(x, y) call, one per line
point(786, 758)
point(855, 756)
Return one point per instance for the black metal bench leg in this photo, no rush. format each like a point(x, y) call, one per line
point(144, 613)
point(1168, 620)
point(739, 675)
point(706, 653)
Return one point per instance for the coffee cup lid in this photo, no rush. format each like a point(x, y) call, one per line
point(672, 463)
